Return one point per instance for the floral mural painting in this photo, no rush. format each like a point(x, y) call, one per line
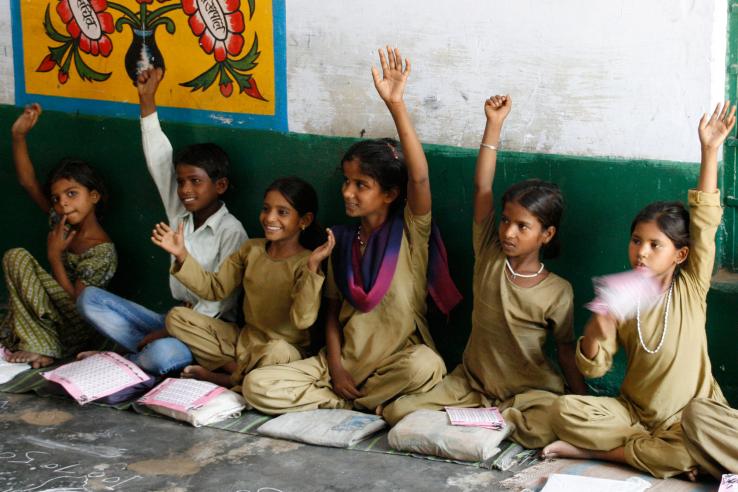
point(218, 25)
point(219, 56)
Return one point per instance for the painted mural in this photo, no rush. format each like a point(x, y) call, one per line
point(223, 59)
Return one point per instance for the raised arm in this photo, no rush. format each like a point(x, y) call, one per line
point(496, 109)
point(22, 160)
point(156, 146)
point(146, 85)
point(713, 132)
point(390, 86)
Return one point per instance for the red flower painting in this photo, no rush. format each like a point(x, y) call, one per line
point(218, 23)
point(88, 22)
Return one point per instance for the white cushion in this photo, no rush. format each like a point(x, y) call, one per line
point(429, 432)
point(197, 402)
point(336, 428)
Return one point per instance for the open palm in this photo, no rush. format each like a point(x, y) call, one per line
point(391, 84)
point(714, 130)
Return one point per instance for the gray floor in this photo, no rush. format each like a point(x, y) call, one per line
point(52, 444)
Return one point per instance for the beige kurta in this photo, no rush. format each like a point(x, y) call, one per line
point(382, 349)
point(504, 363)
point(657, 386)
point(281, 300)
point(711, 435)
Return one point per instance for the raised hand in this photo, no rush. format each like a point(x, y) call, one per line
point(714, 130)
point(321, 252)
point(496, 109)
point(148, 81)
point(391, 84)
point(59, 239)
point(147, 84)
point(170, 240)
point(26, 120)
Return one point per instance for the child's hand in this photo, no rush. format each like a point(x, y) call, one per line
point(713, 131)
point(147, 84)
point(26, 120)
point(321, 252)
point(170, 240)
point(603, 327)
point(148, 81)
point(343, 384)
point(392, 83)
point(59, 239)
point(496, 109)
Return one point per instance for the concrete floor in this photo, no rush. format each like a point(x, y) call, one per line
point(54, 445)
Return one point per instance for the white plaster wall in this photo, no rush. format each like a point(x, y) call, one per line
point(7, 81)
point(625, 78)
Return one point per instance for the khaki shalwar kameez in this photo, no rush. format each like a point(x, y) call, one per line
point(281, 300)
point(645, 418)
point(382, 349)
point(504, 363)
point(711, 435)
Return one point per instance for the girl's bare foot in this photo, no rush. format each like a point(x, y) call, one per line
point(562, 449)
point(86, 354)
point(36, 360)
point(379, 410)
point(202, 374)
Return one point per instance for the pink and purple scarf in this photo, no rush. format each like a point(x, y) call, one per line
point(364, 280)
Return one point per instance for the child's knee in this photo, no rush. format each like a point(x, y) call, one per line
point(280, 352)
point(176, 320)
point(13, 259)
point(423, 364)
point(253, 387)
point(692, 416)
point(90, 296)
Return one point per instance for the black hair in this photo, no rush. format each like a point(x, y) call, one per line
point(382, 159)
point(544, 200)
point(672, 218)
point(304, 199)
point(209, 157)
point(82, 173)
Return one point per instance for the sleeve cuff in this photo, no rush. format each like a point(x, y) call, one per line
point(590, 367)
point(150, 122)
point(697, 197)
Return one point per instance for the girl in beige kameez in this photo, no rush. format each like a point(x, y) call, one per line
point(668, 364)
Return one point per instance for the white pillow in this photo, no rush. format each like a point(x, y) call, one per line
point(336, 428)
point(429, 432)
point(197, 402)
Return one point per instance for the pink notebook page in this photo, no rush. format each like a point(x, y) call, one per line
point(729, 483)
point(181, 395)
point(97, 376)
point(489, 418)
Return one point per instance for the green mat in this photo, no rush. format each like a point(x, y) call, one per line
point(512, 457)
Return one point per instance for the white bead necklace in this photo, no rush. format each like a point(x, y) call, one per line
point(666, 322)
point(521, 275)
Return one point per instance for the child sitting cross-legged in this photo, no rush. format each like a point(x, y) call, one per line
point(668, 364)
point(281, 279)
point(190, 184)
point(42, 324)
point(518, 304)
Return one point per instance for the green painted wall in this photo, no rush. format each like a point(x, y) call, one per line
point(602, 197)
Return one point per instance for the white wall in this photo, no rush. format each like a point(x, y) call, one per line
point(627, 78)
point(7, 81)
point(623, 78)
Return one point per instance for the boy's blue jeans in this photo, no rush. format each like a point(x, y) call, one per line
point(126, 323)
